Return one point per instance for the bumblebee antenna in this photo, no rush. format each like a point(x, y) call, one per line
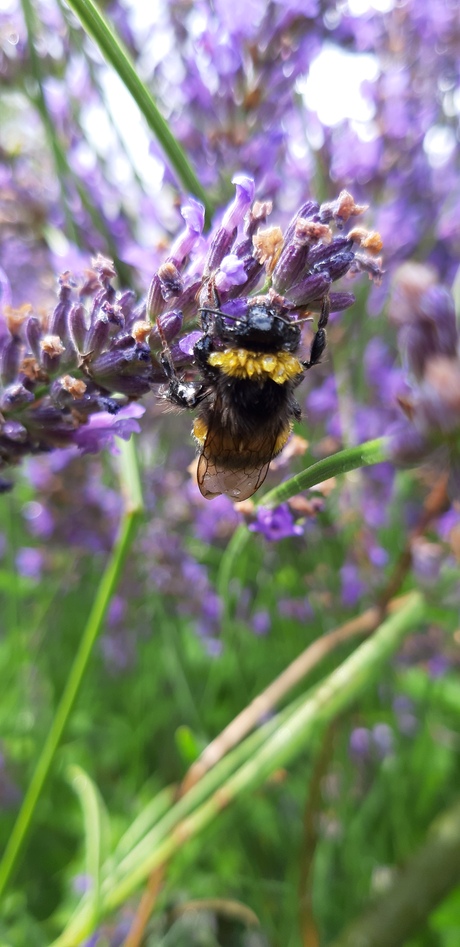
point(229, 315)
point(166, 358)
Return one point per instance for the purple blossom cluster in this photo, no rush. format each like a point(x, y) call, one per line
point(73, 377)
point(405, 154)
point(231, 89)
point(424, 314)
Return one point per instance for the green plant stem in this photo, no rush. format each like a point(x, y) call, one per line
point(91, 808)
point(292, 734)
point(95, 24)
point(41, 106)
point(63, 169)
point(415, 891)
point(362, 455)
point(107, 586)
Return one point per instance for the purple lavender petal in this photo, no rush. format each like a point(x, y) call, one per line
point(103, 427)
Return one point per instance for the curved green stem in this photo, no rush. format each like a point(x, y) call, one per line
point(362, 455)
point(95, 24)
point(106, 589)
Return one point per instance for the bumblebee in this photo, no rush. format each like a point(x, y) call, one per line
point(249, 368)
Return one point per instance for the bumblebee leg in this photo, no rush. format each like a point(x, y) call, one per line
point(320, 338)
point(201, 351)
point(209, 306)
point(180, 393)
point(184, 394)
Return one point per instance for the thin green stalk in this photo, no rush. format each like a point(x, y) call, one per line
point(40, 103)
point(115, 53)
point(107, 586)
point(155, 834)
point(63, 169)
point(290, 736)
point(197, 794)
point(328, 700)
point(92, 810)
point(362, 455)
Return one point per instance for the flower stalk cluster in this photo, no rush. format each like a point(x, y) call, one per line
point(424, 314)
point(74, 376)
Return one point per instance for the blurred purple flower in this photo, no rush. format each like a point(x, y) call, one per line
point(425, 317)
point(360, 743)
point(276, 524)
point(29, 563)
point(261, 622)
point(353, 586)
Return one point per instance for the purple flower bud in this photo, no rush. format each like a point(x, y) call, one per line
point(51, 351)
point(171, 283)
point(98, 334)
point(289, 269)
point(187, 301)
point(170, 324)
point(14, 431)
point(127, 368)
point(243, 199)
point(78, 326)
point(335, 258)
point(15, 396)
point(308, 210)
point(252, 268)
point(310, 288)
point(221, 245)
point(155, 300)
point(126, 303)
point(33, 336)
point(339, 301)
point(58, 320)
point(10, 360)
point(226, 233)
point(193, 214)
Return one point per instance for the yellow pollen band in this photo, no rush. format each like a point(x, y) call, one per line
point(199, 430)
point(282, 439)
point(240, 363)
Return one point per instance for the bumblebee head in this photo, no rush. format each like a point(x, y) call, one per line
point(259, 326)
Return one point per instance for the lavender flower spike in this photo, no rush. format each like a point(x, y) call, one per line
point(425, 316)
point(74, 378)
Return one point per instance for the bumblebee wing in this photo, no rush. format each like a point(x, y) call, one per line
point(234, 464)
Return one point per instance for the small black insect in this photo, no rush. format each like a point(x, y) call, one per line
point(249, 370)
